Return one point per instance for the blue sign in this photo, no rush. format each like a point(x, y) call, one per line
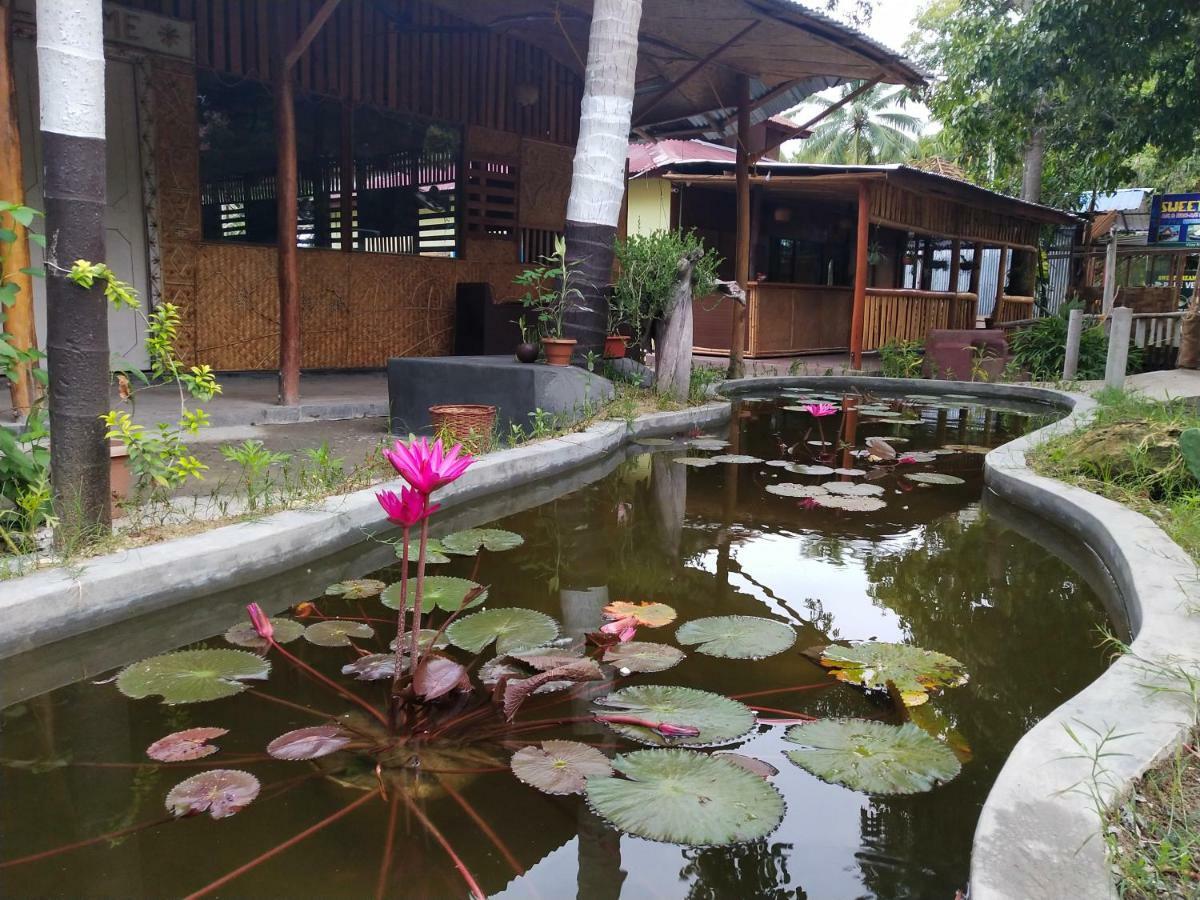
point(1175, 219)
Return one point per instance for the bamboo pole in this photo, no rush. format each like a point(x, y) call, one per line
point(927, 263)
point(19, 319)
point(741, 265)
point(955, 264)
point(858, 311)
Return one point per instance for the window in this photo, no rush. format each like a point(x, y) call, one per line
point(403, 197)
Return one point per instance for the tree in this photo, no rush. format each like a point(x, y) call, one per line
point(598, 174)
point(871, 129)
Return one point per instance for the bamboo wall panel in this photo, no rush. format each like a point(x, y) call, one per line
point(545, 184)
point(712, 324)
point(899, 208)
point(902, 315)
point(386, 54)
point(786, 319)
point(1013, 309)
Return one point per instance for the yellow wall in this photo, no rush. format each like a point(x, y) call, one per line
point(649, 205)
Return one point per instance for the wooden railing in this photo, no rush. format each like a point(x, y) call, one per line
point(781, 320)
point(903, 315)
point(1012, 309)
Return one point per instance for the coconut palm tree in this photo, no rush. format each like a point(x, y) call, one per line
point(870, 129)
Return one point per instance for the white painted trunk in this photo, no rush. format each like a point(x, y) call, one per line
point(598, 176)
point(70, 52)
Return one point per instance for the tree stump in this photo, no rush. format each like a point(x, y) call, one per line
point(673, 364)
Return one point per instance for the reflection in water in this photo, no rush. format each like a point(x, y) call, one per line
point(930, 569)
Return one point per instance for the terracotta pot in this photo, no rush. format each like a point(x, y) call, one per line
point(558, 350)
point(614, 346)
point(527, 353)
point(119, 476)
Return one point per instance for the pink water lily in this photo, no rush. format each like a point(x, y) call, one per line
point(260, 621)
point(906, 461)
point(624, 628)
point(406, 508)
point(666, 729)
point(820, 410)
point(427, 466)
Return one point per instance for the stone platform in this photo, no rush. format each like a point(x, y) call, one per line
point(515, 389)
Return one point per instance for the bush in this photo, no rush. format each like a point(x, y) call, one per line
point(901, 359)
point(1041, 349)
point(647, 264)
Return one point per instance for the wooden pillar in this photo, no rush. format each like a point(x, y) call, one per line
point(286, 188)
point(346, 178)
point(976, 269)
point(19, 321)
point(858, 311)
point(1110, 273)
point(927, 263)
point(955, 264)
point(741, 262)
point(1001, 274)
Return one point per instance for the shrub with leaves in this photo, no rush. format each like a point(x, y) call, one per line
point(648, 265)
point(901, 359)
point(1041, 349)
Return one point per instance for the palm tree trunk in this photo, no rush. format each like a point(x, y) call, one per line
point(598, 176)
point(70, 48)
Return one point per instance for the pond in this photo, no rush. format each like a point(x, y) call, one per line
point(927, 563)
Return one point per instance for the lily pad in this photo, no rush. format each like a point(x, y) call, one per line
point(507, 666)
point(791, 489)
point(655, 442)
point(336, 632)
point(356, 589)
point(804, 409)
point(737, 637)
point(850, 504)
point(750, 764)
point(719, 719)
point(219, 792)
point(647, 612)
point(852, 489)
point(872, 756)
point(967, 448)
point(426, 641)
point(244, 635)
point(737, 458)
point(512, 629)
point(850, 473)
point(441, 591)
point(192, 676)
point(708, 443)
point(803, 469)
point(191, 743)
point(469, 542)
point(434, 551)
point(933, 478)
point(913, 671)
point(643, 656)
point(689, 798)
point(518, 690)
point(699, 462)
point(309, 743)
point(373, 667)
point(559, 767)
point(779, 463)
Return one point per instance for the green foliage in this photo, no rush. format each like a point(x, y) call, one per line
point(1041, 349)
point(254, 461)
point(702, 378)
point(647, 266)
point(871, 129)
point(901, 359)
point(552, 291)
point(1189, 446)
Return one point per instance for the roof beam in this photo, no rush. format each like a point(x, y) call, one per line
point(806, 129)
point(311, 31)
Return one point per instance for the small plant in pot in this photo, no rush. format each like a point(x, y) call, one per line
point(618, 319)
point(527, 350)
point(551, 293)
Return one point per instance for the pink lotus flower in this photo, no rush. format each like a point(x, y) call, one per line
point(427, 466)
point(820, 410)
point(262, 624)
point(809, 503)
point(406, 508)
point(667, 730)
point(624, 628)
point(906, 461)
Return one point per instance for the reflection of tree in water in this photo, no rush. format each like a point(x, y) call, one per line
point(747, 870)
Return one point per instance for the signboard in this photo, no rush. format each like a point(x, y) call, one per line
point(1175, 220)
point(135, 29)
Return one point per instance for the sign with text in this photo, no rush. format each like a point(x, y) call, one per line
point(1175, 219)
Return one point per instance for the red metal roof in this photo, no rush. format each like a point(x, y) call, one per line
point(645, 156)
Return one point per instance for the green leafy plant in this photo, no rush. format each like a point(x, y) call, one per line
point(541, 423)
point(1189, 446)
point(552, 291)
point(1041, 348)
point(647, 266)
point(901, 359)
point(254, 461)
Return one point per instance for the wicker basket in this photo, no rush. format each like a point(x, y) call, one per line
point(467, 422)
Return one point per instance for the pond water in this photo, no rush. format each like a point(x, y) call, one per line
point(935, 568)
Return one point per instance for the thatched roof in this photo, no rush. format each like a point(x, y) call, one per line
point(790, 52)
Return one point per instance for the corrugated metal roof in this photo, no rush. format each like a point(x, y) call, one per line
point(1121, 200)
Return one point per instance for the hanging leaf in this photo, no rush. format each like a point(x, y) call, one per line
point(373, 666)
point(872, 756)
point(219, 792)
point(792, 489)
point(191, 743)
point(933, 478)
point(719, 719)
point(336, 632)
point(852, 489)
point(434, 551)
point(439, 675)
point(642, 656)
point(737, 637)
point(441, 591)
point(512, 629)
point(244, 635)
point(913, 671)
point(516, 691)
point(699, 462)
point(309, 743)
point(647, 612)
point(559, 767)
point(750, 764)
point(688, 798)
point(804, 469)
point(192, 676)
point(469, 542)
point(850, 504)
point(356, 589)
point(736, 459)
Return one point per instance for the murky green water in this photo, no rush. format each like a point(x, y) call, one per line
point(934, 568)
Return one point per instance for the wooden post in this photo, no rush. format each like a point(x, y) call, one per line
point(741, 263)
point(1110, 273)
point(1118, 348)
point(19, 321)
point(976, 269)
point(346, 178)
point(1001, 275)
point(927, 263)
point(858, 311)
point(1074, 333)
point(955, 264)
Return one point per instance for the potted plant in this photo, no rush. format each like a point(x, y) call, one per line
point(551, 293)
point(527, 350)
point(618, 317)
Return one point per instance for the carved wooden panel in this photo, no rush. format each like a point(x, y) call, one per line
point(545, 184)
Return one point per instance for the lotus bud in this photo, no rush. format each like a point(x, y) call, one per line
point(261, 623)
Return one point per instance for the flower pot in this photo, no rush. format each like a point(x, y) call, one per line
point(119, 477)
point(614, 346)
point(558, 350)
point(527, 353)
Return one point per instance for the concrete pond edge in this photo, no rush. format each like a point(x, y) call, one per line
point(54, 604)
point(1039, 834)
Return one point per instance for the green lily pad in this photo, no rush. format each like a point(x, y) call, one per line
point(912, 671)
point(737, 458)
point(699, 462)
point(441, 591)
point(850, 473)
point(872, 756)
point(643, 656)
point(647, 612)
point(192, 676)
point(434, 551)
point(737, 637)
point(852, 489)
point(791, 489)
point(655, 442)
point(719, 719)
point(336, 632)
point(512, 629)
point(803, 469)
point(356, 588)
point(708, 443)
point(559, 767)
point(244, 635)
point(426, 640)
point(850, 504)
point(933, 478)
point(749, 763)
point(469, 542)
point(683, 797)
